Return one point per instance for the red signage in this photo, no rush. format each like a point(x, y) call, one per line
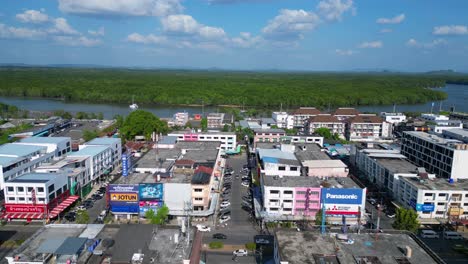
point(24, 208)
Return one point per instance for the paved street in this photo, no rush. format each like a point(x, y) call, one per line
point(385, 221)
point(218, 258)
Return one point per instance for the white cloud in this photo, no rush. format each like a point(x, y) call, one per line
point(245, 40)
point(121, 7)
point(148, 39)
point(291, 24)
point(345, 52)
point(99, 32)
point(429, 45)
point(20, 33)
point(386, 30)
point(332, 10)
point(61, 26)
point(32, 16)
point(371, 45)
point(77, 41)
point(180, 24)
point(212, 32)
point(450, 30)
point(394, 20)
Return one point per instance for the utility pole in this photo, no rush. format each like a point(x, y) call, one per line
point(324, 213)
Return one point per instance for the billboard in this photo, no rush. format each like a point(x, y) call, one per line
point(144, 206)
point(337, 209)
point(125, 165)
point(342, 196)
point(24, 208)
point(151, 191)
point(425, 207)
point(123, 198)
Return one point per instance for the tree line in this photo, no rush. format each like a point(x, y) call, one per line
point(250, 89)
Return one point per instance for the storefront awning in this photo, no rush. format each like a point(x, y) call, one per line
point(23, 216)
point(63, 205)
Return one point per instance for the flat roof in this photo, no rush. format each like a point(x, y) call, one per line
point(200, 145)
point(168, 140)
point(36, 177)
point(397, 165)
point(7, 161)
point(104, 141)
point(200, 133)
point(463, 133)
point(303, 247)
point(89, 151)
point(437, 184)
point(19, 149)
point(312, 152)
point(308, 181)
point(151, 159)
point(44, 140)
point(269, 130)
point(433, 138)
point(324, 164)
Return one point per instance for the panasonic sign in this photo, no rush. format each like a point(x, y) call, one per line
point(342, 196)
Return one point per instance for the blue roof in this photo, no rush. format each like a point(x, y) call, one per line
point(89, 151)
point(103, 141)
point(19, 149)
point(45, 140)
point(275, 154)
point(6, 161)
point(270, 160)
point(168, 140)
point(36, 177)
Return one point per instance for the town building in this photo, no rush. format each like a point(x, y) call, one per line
point(393, 118)
point(266, 123)
point(438, 127)
point(114, 143)
point(447, 158)
point(330, 122)
point(302, 139)
point(215, 120)
point(18, 159)
point(365, 127)
point(301, 115)
point(100, 160)
point(434, 117)
point(202, 182)
point(60, 146)
point(180, 119)
point(344, 113)
point(280, 162)
point(458, 134)
point(228, 140)
point(268, 135)
point(283, 120)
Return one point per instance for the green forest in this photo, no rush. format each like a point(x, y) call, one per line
point(251, 89)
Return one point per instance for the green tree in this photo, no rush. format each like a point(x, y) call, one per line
point(90, 135)
point(142, 123)
point(82, 217)
point(119, 120)
point(159, 217)
point(226, 128)
point(406, 219)
point(81, 115)
point(318, 217)
point(324, 132)
point(204, 124)
point(100, 116)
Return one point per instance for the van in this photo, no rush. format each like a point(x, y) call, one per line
point(429, 234)
point(452, 235)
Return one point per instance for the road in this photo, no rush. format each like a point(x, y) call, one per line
point(385, 221)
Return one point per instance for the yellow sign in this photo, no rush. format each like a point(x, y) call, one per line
point(124, 197)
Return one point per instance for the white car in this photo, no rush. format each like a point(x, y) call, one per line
point(79, 208)
point(392, 215)
point(224, 219)
point(240, 252)
point(203, 228)
point(225, 204)
point(245, 184)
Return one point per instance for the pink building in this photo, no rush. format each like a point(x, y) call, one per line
point(325, 168)
point(306, 201)
point(268, 135)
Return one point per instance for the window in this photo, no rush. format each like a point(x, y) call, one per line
point(40, 189)
point(274, 209)
point(301, 192)
point(198, 199)
point(287, 209)
point(11, 199)
point(11, 189)
point(440, 212)
point(41, 199)
point(51, 188)
point(21, 199)
point(52, 196)
point(198, 190)
point(282, 168)
point(440, 203)
point(441, 194)
point(30, 189)
point(293, 169)
point(300, 201)
point(288, 192)
point(429, 194)
point(314, 193)
point(20, 189)
point(274, 192)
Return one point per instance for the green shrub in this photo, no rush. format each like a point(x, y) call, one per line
point(216, 244)
point(250, 246)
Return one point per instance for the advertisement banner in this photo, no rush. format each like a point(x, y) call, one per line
point(23, 208)
point(128, 208)
point(123, 188)
point(425, 207)
point(124, 165)
point(337, 209)
point(342, 196)
point(123, 198)
point(149, 205)
point(151, 191)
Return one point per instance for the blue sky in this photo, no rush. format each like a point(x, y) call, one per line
point(417, 35)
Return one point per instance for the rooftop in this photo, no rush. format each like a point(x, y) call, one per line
point(397, 165)
point(324, 118)
point(167, 140)
point(197, 145)
point(437, 184)
point(202, 175)
point(458, 133)
point(346, 111)
point(267, 120)
point(434, 138)
point(19, 150)
point(304, 247)
point(44, 140)
point(7, 161)
point(200, 133)
point(368, 119)
point(89, 151)
point(276, 154)
point(269, 130)
point(306, 111)
point(311, 152)
point(104, 141)
point(308, 181)
point(153, 158)
point(36, 177)
point(324, 164)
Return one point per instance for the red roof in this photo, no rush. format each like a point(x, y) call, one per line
point(324, 119)
point(204, 169)
point(134, 145)
point(344, 111)
point(369, 119)
point(307, 111)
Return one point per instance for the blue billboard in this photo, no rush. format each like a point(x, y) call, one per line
point(425, 207)
point(151, 191)
point(149, 205)
point(123, 198)
point(342, 196)
point(125, 165)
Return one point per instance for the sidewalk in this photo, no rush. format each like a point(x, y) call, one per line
point(226, 248)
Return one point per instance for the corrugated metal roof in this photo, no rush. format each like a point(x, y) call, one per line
point(7, 161)
point(19, 149)
point(275, 153)
point(89, 151)
point(50, 245)
point(103, 141)
point(44, 140)
point(36, 177)
point(71, 246)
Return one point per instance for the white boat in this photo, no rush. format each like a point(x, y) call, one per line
point(133, 106)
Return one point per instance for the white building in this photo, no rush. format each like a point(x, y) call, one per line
point(279, 162)
point(303, 139)
point(100, 159)
point(283, 120)
point(18, 159)
point(447, 158)
point(301, 115)
point(114, 143)
point(393, 118)
point(366, 127)
point(326, 121)
point(440, 126)
point(180, 118)
point(458, 134)
point(228, 139)
point(434, 198)
point(434, 117)
point(58, 145)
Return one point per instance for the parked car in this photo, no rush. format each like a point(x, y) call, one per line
point(225, 204)
point(426, 233)
point(203, 228)
point(240, 253)
point(245, 184)
point(219, 236)
point(224, 218)
point(81, 207)
point(70, 216)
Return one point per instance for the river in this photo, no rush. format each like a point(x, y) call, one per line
point(457, 98)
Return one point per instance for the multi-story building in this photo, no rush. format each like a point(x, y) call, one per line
point(201, 188)
point(393, 118)
point(447, 158)
point(278, 162)
point(325, 168)
point(215, 120)
point(458, 134)
point(365, 127)
point(327, 121)
point(283, 120)
point(268, 135)
point(228, 139)
point(114, 143)
point(60, 146)
point(434, 199)
point(438, 127)
point(434, 117)
point(18, 159)
point(303, 139)
point(180, 118)
point(344, 113)
point(100, 159)
point(301, 115)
